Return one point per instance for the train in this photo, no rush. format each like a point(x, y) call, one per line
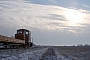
point(22, 39)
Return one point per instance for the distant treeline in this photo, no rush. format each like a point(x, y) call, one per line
point(82, 45)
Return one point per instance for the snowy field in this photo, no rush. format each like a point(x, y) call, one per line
point(73, 53)
point(46, 53)
point(33, 53)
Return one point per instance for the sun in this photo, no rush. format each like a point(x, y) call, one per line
point(74, 17)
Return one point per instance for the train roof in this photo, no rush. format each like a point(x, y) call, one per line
point(23, 29)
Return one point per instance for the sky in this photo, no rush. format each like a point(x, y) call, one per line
point(51, 22)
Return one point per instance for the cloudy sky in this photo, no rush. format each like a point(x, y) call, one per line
point(51, 22)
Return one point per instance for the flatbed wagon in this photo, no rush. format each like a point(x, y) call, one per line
point(11, 40)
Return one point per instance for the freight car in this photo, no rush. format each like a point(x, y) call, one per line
point(22, 39)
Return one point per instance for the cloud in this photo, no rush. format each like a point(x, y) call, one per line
point(48, 23)
point(28, 15)
point(55, 17)
point(86, 6)
point(53, 1)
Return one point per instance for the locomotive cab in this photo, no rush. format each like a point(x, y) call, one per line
point(24, 34)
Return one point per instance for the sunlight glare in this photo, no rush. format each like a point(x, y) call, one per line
point(74, 17)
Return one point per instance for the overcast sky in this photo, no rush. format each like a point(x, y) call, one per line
point(51, 22)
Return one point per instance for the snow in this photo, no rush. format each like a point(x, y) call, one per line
point(72, 53)
point(34, 54)
point(46, 53)
point(49, 55)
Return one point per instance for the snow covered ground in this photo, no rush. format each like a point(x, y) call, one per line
point(46, 53)
point(73, 53)
point(33, 53)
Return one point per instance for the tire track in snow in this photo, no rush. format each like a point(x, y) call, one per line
point(49, 55)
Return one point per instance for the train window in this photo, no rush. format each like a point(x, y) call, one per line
point(19, 32)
